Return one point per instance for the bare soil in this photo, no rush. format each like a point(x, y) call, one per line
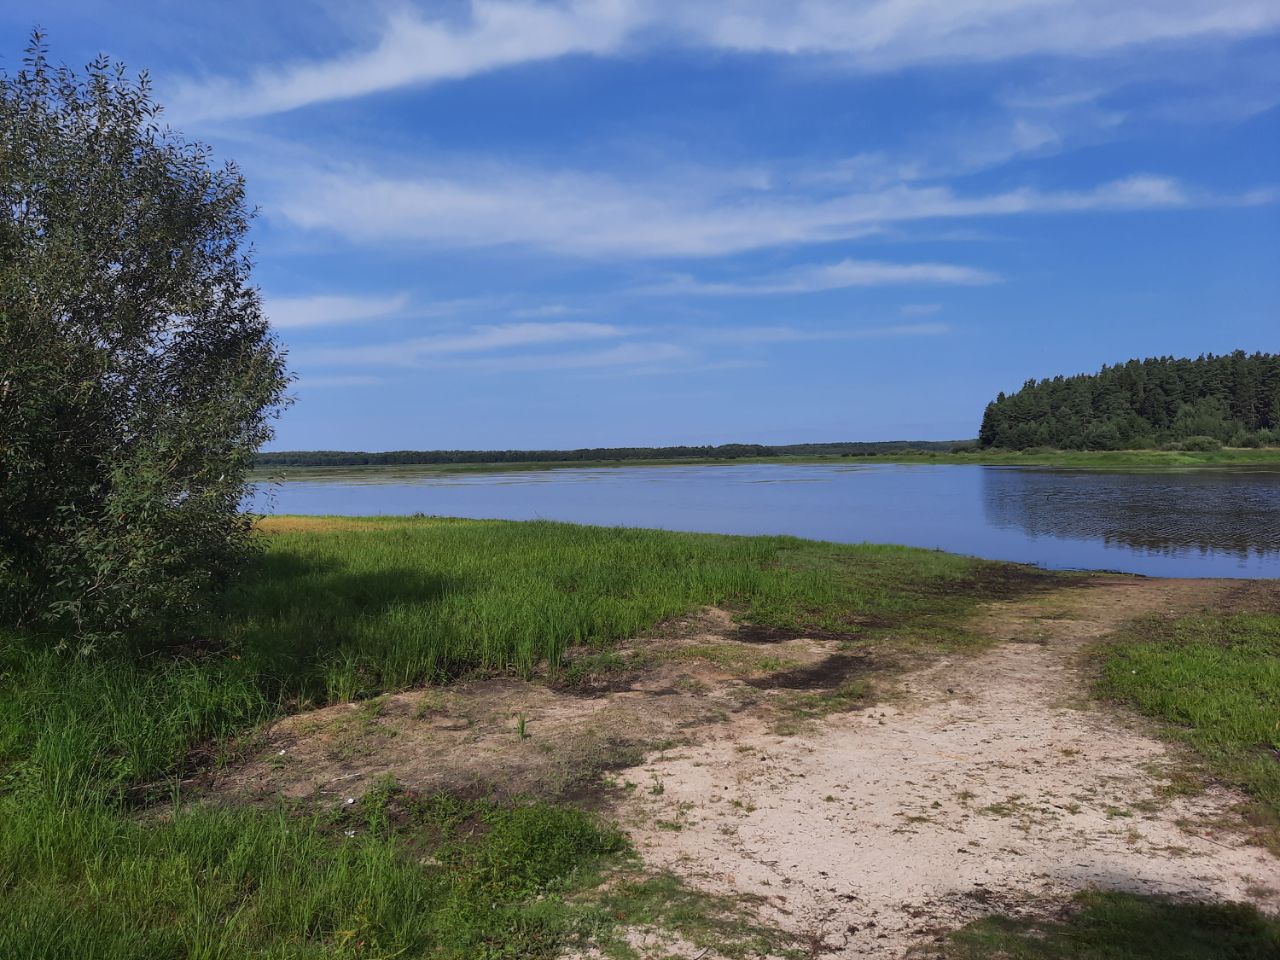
point(990, 784)
point(603, 712)
point(753, 764)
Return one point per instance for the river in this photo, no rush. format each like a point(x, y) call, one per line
point(1202, 522)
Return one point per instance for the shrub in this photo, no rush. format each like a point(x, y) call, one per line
point(1201, 444)
point(137, 372)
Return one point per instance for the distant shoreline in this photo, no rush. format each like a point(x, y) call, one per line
point(1083, 459)
point(677, 452)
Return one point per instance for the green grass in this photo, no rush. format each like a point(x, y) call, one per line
point(798, 709)
point(345, 608)
point(1215, 681)
point(100, 857)
point(1098, 459)
point(456, 880)
point(722, 926)
point(1121, 926)
point(1080, 459)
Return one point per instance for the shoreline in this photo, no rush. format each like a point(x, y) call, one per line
point(1063, 459)
point(293, 522)
point(655, 729)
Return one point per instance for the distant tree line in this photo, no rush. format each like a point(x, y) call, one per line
point(727, 451)
point(1211, 401)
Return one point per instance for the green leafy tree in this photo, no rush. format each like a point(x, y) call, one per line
point(138, 375)
point(1161, 400)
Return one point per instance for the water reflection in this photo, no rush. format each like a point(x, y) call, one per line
point(1232, 511)
point(1176, 523)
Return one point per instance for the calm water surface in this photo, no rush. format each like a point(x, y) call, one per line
point(1188, 523)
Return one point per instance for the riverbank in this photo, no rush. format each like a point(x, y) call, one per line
point(1076, 459)
point(992, 785)
point(423, 737)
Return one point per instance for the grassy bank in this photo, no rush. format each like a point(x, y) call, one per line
point(1214, 679)
point(1076, 459)
point(1121, 926)
point(1098, 459)
point(101, 855)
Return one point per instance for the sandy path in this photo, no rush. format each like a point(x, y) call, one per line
point(992, 782)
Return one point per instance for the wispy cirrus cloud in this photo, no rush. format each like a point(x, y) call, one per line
point(479, 339)
point(919, 309)
point(598, 215)
point(414, 48)
point(531, 347)
point(877, 35)
point(516, 347)
point(833, 276)
point(340, 380)
point(288, 313)
point(791, 334)
point(640, 354)
point(545, 311)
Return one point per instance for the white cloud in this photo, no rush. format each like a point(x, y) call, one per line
point(415, 49)
point(355, 380)
point(479, 339)
point(524, 347)
point(835, 276)
point(545, 311)
point(919, 309)
point(622, 355)
point(595, 215)
point(888, 35)
point(328, 311)
point(789, 334)
point(1030, 122)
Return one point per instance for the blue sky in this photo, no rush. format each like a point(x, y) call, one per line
point(518, 223)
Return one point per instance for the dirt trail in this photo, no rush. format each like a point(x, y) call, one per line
point(990, 783)
point(987, 783)
point(694, 674)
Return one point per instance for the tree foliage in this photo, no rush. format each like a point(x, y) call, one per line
point(1210, 401)
point(138, 375)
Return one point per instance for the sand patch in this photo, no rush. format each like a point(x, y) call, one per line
point(992, 782)
point(553, 737)
point(867, 811)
